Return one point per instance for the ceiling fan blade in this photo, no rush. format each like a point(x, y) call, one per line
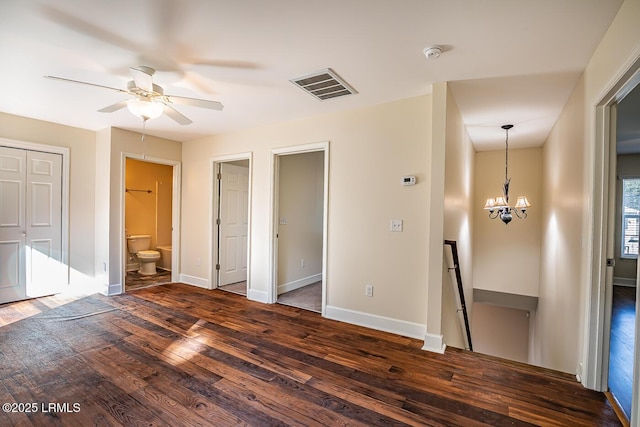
point(175, 115)
point(142, 76)
point(193, 102)
point(223, 63)
point(82, 26)
point(84, 83)
point(115, 107)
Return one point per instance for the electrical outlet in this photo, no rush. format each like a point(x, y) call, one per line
point(368, 290)
point(396, 225)
point(302, 263)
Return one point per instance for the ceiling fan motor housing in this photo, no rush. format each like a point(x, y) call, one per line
point(132, 88)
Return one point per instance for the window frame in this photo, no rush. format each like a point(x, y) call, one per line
point(624, 216)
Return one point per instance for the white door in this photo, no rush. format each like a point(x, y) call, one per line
point(233, 223)
point(30, 224)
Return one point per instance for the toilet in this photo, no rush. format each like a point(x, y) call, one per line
point(139, 245)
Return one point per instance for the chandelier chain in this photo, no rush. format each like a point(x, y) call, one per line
point(506, 157)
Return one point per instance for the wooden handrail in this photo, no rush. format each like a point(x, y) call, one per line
point(463, 305)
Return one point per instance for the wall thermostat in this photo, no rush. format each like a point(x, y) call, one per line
point(409, 180)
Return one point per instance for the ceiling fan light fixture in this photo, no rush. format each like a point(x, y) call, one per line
point(145, 108)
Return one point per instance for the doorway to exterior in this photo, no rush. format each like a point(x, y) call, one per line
point(232, 178)
point(300, 226)
point(33, 220)
point(149, 223)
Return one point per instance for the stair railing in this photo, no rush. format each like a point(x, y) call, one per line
point(461, 306)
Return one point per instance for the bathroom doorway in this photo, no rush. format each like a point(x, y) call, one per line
point(149, 212)
point(231, 220)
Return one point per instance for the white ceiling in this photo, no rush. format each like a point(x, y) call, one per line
point(508, 61)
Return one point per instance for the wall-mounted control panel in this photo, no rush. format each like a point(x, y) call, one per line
point(408, 180)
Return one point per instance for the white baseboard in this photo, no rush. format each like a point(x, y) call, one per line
point(111, 289)
point(195, 281)
point(259, 296)
point(380, 323)
point(300, 283)
point(624, 281)
point(434, 343)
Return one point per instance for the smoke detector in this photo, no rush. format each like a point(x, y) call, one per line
point(432, 52)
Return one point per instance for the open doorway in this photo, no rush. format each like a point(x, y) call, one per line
point(626, 217)
point(300, 202)
point(149, 223)
point(231, 224)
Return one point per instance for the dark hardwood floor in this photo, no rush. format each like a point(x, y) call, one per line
point(623, 327)
point(134, 280)
point(178, 355)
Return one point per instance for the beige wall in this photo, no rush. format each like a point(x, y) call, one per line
point(563, 324)
point(458, 219)
point(81, 145)
point(507, 257)
point(501, 332)
point(370, 150)
point(148, 213)
point(557, 318)
point(301, 206)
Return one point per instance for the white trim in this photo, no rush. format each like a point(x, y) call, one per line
point(195, 281)
point(213, 203)
point(300, 283)
point(624, 281)
point(66, 162)
point(112, 289)
point(258, 295)
point(434, 343)
point(373, 321)
point(273, 215)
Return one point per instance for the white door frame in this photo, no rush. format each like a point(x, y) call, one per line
point(273, 223)
point(64, 152)
point(214, 202)
point(175, 213)
point(598, 303)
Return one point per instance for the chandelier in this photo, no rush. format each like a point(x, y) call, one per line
point(499, 207)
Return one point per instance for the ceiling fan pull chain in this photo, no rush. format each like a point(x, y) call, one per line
point(144, 123)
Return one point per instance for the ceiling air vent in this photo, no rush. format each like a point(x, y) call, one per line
point(324, 84)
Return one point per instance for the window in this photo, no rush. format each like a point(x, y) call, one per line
point(630, 217)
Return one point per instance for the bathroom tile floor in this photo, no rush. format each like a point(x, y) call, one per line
point(135, 280)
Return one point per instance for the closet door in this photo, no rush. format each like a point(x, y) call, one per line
point(30, 224)
point(13, 232)
point(45, 273)
point(233, 224)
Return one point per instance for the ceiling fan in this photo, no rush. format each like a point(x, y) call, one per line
point(148, 99)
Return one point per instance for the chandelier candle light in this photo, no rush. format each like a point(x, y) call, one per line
point(499, 207)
